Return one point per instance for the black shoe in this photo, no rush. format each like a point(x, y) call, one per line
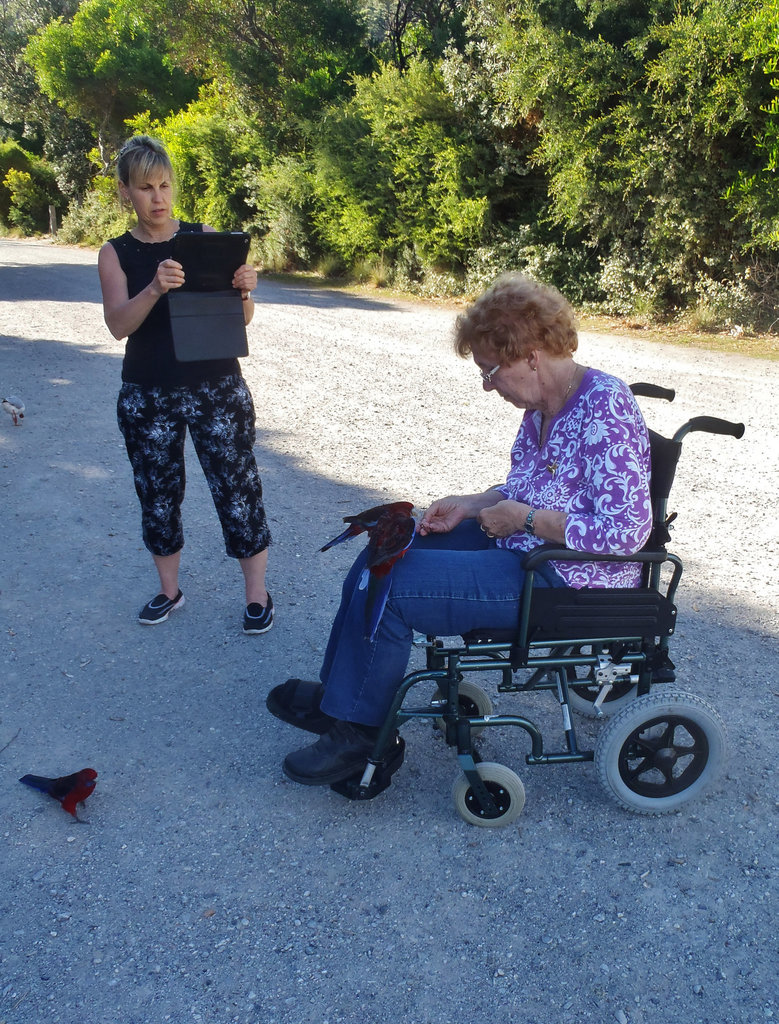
point(297, 702)
point(159, 608)
point(336, 755)
point(257, 619)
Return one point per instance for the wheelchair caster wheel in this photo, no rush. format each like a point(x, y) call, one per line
point(472, 702)
point(660, 751)
point(503, 785)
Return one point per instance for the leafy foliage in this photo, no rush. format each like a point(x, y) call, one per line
point(408, 30)
point(645, 115)
point(29, 199)
point(106, 65)
point(756, 192)
point(97, 217)
point(394, 168)
point(27, 187)
point(288, 57)
point(625, 150)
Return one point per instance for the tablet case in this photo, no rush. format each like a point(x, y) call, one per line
point(206, 313)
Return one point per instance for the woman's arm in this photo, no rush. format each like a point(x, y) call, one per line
point(123, 314)
point(245, 280)
point(507, 517)
point(446, 513)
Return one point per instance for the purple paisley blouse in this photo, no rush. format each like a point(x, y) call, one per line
point(594, 466)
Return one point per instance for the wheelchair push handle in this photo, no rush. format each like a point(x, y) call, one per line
point(642, 390)
point(710, 425)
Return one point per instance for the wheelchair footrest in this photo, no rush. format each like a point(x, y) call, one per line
point(381, 778)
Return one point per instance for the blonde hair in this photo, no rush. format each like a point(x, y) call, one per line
point(139, 156)
point(514, 316)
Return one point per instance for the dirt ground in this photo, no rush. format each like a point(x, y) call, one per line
point(208, 888)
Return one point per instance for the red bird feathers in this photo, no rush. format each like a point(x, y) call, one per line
point(70, 790)
point(391, 529)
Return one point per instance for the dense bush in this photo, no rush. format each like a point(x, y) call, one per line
point(97, 217)
point(27, 188)
point(280, 194)
point(625, 152)
point(394, 168)
point(648, 117)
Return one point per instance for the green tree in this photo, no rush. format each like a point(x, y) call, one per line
point(757, 190)
point(289, 58)
point(107, 64)
point(27, 187)
point(26, 114)
point(394, 168)
point(645, 115)
point(30, 197)
point(406, 30)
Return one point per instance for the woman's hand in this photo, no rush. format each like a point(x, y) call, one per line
point(443, 515)
point(170, 274)
point(446, 513)
point(245, 280)
point(503, 519)
point(509, 517)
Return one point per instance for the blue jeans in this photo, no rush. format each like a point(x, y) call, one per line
point(446, 585)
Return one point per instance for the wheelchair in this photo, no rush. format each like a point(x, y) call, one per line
point(602, 653)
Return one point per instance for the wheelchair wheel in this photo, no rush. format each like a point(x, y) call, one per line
point(660, 751)
point(472, 702)
point(505, 788)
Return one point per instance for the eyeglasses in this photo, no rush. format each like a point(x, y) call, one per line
point(487, 375)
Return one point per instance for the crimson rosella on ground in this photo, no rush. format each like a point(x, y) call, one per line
point(70, 790)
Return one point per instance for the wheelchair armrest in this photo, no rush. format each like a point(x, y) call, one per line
point(548, 552)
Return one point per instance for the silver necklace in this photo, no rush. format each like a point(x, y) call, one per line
point(570, 383)
point(552, 466)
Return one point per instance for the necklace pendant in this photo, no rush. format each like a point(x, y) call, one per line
point(552, 467)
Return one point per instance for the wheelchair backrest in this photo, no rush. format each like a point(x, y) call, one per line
point(665, 454)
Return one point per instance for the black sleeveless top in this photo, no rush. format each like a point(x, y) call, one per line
point(149, 359)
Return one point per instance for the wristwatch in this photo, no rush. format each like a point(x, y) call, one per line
point(529, 528)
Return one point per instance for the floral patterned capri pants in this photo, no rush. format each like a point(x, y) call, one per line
point(220, 418)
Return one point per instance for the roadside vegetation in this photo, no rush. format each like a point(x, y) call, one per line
point(625, 151)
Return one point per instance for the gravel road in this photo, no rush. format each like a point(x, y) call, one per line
point(208, 888)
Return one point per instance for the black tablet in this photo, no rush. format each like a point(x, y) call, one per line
point(210, 258)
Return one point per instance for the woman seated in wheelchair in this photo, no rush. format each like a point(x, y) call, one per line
point(579, 477)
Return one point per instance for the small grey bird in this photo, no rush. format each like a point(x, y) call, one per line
point(14, 406)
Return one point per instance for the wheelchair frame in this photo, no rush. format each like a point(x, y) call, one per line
point(600, 651)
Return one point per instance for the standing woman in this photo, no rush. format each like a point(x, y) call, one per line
point(161, 398)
